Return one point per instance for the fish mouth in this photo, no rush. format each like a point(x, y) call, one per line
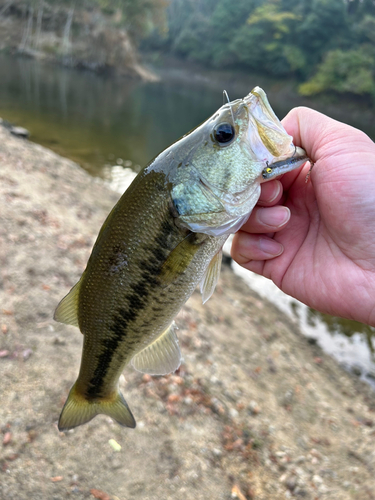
point(267, 137)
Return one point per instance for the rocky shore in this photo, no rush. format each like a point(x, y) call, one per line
point(255, 411)
point(45, 33)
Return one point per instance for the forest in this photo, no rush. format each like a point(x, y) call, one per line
point(100, 35)
point(326, 45)
point(323, 45)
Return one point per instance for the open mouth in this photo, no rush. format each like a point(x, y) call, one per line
point(267, 137)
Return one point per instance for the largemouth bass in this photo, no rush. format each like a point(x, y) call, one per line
point(162, 238)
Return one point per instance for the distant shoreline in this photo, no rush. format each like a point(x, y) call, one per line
point(349, 109)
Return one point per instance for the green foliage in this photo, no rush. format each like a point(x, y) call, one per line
point(224, 24)
point(324, 26)
point(295, 57)
point(189, 42)
point(321, 41)
point(350, 71)
point(139, 17)
point(328, 44)
point(365, 30)
point(271, 14)
point(269, 23)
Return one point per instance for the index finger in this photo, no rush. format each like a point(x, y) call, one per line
point(321, 137)
point(310, 129)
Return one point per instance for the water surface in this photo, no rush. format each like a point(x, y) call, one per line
point(94, 119)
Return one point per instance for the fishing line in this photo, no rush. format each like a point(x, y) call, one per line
point(226, 97)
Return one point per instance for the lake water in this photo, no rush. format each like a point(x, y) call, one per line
point(95, 119)
point(102, 121)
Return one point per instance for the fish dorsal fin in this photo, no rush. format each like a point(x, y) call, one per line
point(211, 276)
point(162, 356)
point(179, 259)
point(67, 310)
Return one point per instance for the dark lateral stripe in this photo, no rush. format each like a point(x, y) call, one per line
point(137, 301)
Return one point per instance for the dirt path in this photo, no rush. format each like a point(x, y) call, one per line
point(255, 412)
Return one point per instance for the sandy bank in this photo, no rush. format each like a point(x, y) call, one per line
point(255, 412)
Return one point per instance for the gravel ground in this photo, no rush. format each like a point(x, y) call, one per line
point(255, 411)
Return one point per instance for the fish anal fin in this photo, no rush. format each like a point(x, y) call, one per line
point(162, 356)
point(211, 276)
point(67, 310)
point(78, 410)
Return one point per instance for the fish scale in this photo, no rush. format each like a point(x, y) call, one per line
point(163, 237)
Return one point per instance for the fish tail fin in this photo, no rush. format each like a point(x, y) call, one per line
point(79, 410)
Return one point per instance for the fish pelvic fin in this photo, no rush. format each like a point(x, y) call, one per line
point(79, 410)
point(211, 277)
point(179, 259)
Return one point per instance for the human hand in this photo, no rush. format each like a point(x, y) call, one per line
point(324, 255)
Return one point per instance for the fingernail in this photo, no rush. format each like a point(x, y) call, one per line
point(277, 189)
point(273, 216)
point(270, 247)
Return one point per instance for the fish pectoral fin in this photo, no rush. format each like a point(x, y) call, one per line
point(67, 310)
point(211, 276)
point(179, 259)
point(162, 356)
point(78, 410)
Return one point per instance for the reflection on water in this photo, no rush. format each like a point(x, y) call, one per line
point(100, 121)
point(345, 326)
point(350, 342)
point(119, 178)
point(95, 119)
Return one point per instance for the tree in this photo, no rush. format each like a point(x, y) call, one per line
point(266, 40)
point(344, 72)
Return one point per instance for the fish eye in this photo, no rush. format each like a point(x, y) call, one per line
point(224, 133)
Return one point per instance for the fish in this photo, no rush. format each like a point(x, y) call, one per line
point(163, 238)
